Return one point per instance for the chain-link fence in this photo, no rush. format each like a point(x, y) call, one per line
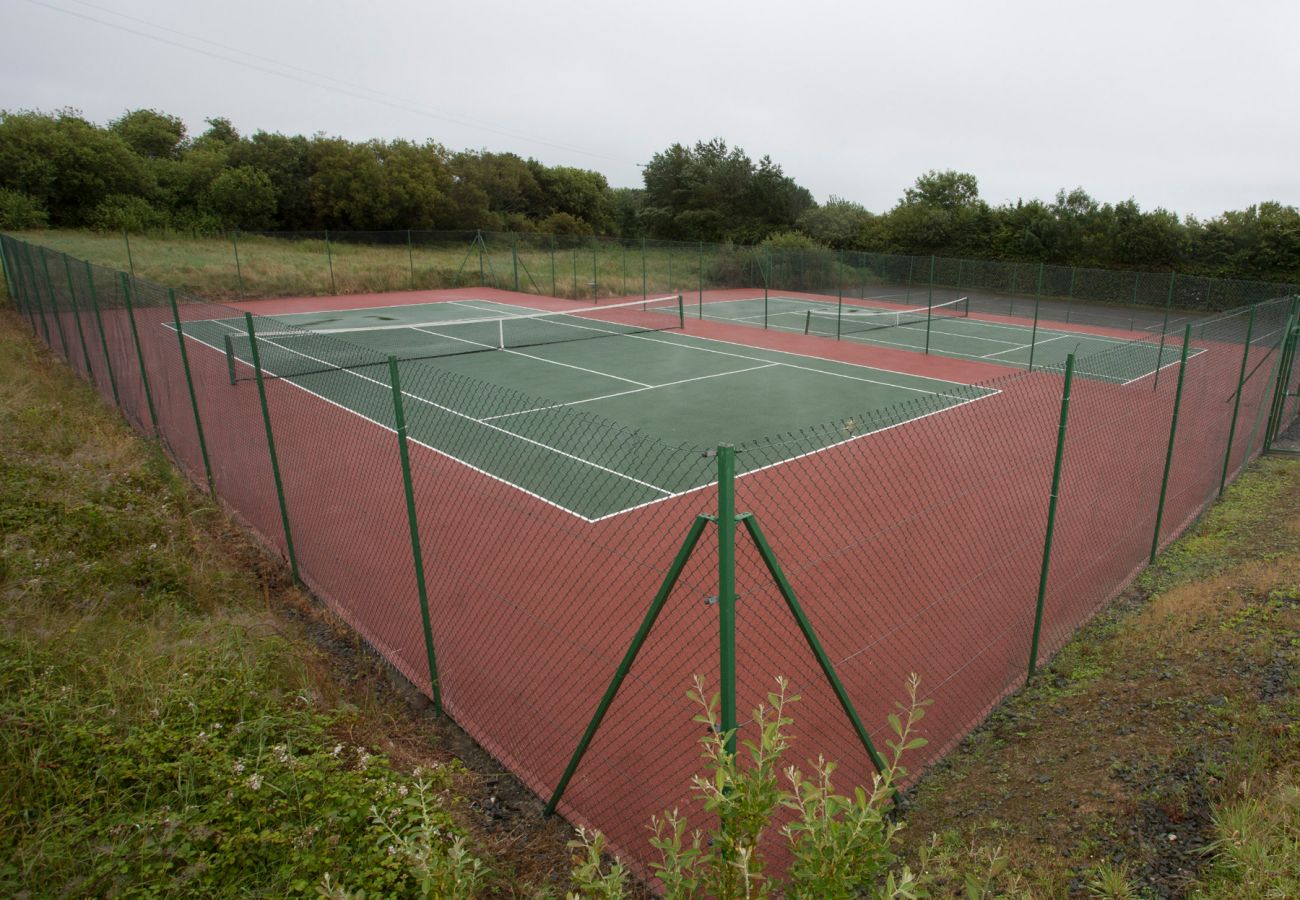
point(963, 537)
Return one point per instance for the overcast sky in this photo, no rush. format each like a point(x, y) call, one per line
point(1187, 105)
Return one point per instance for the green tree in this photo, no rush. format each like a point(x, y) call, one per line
point(840, 223)
point(67, 165)
point(18, 210)
point(151, 134)
point(284, 159)
point(243, 197)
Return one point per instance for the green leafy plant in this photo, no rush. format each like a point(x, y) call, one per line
point(840, 845)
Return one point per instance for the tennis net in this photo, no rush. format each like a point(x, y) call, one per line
point(294, 352)
point(857, 319)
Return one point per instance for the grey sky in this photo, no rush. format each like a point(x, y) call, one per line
point(1187, 105)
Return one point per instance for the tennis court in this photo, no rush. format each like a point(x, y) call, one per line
point(949, 329)
point(645, 373)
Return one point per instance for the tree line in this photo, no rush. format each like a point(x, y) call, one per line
point(144, 172)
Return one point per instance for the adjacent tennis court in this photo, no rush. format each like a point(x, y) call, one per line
point(949, 329)
point(644, 373)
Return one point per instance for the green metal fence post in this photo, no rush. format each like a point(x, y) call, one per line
point(139, 351)
point(766, 272)
point(1052, 502)
point(10, 286)
point(929, 306)
point(554, 288)
point(1033, 335)
point(270, 445)
point(36, 295)
point(189, 383)
point(103, 337)
point(629, 657)
point(17, 291)
point(1286, 359)
point(410, 257)
point(810, 636)
point(645, 290)
point(1070, 297)
point(574, 256)
point(1164, 328)
point(130, 261)
point(329, 259)
point(595, 275)
point(239, 269)
point(76, 317)
point(54, 307)
point(1173, 432)
point(699, 306)
point(727, 590)
point(839, 295)
point(514, 258)
point(399, 417)
point(907, 296)
point(1236, 403)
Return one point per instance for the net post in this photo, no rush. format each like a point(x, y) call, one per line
point(329, 260)
point(1033, 335)
point(54, 306)
point(103, 337)
point(839, 294)
point(699, 306)
point(270, 445)
point(1236, 403)
point(139, 352)
point(1173, 432)
point(76, 317)
point(1164, 329)
point(410, 257)
point(130, 261)
point(810, 635)
point(645, 290)
point(929, 306)
point(1052, 502)
point(727, 591)
point(189, 383)
point(681, 311)
point(413, 523)
point(229, 347)
point(807, 321)
point(239, 269)
point(629, 657)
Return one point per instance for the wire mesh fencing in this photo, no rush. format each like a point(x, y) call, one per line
point(962, 536)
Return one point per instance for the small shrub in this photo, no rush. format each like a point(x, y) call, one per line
point(119, 212)
point(19, 210)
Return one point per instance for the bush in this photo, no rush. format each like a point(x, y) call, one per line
point(839, 846)
point(18, 210)
point(790, 240)
point(118, 212)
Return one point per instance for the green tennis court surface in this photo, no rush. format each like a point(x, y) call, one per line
point(953, 333)
point(676, 389)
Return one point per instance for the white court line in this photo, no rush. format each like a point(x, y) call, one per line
point(1190, 357)
point(547, 500)
point(781, 462)
point(514, 352)
point(649, 387)
point(647, 337)
point(1035, 345)
point(470, 418)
